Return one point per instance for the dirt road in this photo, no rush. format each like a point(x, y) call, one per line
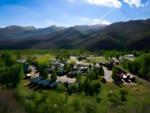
point(8, 102)
point(107, 74)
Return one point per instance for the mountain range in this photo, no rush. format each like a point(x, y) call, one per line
point(133, 34)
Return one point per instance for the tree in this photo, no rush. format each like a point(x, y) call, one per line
point(90, 87)
point(30, 106)
point(114, 99)
point(72, 88)
point(9, 59)
point(17, 74)
point(92, 75)
point(61, 87)
point(87, 86)
point(140, 66)
point(123, 94)
point(44, 73)
point(68, 67)
point(95, 85)
point(115, 71)
point(43, 70)
point(53, 76)
point(100, 71)
point(81, 85)
point(11, 76)
point(79, 77)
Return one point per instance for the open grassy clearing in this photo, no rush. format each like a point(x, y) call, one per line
point(97, 59)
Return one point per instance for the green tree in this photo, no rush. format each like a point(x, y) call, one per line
point(43, 73)
point(92, 75)
point(87, 86)
point(96, 87)
point(17, 74)
point(61, 87)
point(54, 76)
point(100, 71)
point(67, 67)
point(123, 94)
point(11, 76)
point(114, 99)
point(9, 59)
point(115, 71)
point(72, 88)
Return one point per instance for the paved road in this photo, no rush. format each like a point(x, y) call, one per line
point(107, 74)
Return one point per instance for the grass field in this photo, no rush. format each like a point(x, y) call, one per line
point(98, 59)
point(137, 99)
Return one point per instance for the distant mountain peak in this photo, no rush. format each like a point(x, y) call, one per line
point(30, 28)
point(133, 34)
point(20, 27)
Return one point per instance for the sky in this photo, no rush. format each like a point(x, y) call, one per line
point(44, 13)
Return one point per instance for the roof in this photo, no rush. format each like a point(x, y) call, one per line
point(64, 79)
point(44, 82)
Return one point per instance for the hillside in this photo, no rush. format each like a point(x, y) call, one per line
point(131, 35)
point(122, 35)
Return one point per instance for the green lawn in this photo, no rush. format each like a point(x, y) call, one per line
point(98, 59)
point(137, 99)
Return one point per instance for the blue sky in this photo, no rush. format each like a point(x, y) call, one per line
point(43, 13)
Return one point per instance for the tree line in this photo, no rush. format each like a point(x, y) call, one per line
point(140, 66)
point(11, 72)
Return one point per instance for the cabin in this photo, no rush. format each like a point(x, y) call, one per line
point(129, 57)
point(53, 85)
point(44, 83)
point(65, 79)
point(28, 76)
point(73, 74)
point(115, 61)
point(21, 61)
point(61, 72)
point(81, 58)
point(109, 65)
point(36, 80)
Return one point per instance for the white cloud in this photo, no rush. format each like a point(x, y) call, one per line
point(94, 21)
point(99, 21)
point(113, 3)
point(109, 3)
point(134, 3)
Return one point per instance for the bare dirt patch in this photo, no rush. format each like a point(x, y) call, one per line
point(8, 102)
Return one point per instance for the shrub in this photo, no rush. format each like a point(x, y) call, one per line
point(61, 87)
